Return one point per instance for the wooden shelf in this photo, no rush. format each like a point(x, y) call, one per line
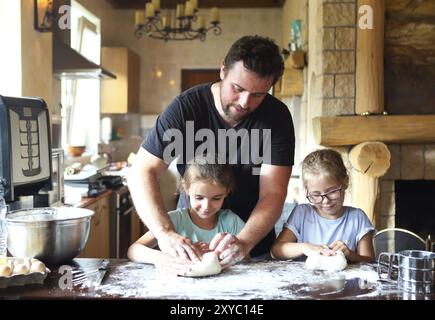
point(351, 130)
point(292, 83)
point(296, 60)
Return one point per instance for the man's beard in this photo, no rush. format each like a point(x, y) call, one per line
point(233, 115)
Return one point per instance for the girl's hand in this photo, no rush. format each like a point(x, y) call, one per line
point(338, 245)
point(170, 265)
point(310, 249)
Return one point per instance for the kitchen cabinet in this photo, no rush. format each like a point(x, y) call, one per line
point(98, 245)
point(122, 94)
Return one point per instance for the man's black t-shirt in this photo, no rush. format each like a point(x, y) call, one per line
point(265, 136)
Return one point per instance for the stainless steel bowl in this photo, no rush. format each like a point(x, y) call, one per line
point(52, 235)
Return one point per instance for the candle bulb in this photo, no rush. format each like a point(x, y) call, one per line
point(201, 22)
point(214, 15)
point(189, 9)
point(140, 18)
point(194, 4)
point(149, 10)
point(156, 4)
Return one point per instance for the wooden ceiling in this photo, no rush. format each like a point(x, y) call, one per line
point(165, 4)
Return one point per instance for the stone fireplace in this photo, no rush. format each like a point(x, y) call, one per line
point(344, 79)
point(409, 163)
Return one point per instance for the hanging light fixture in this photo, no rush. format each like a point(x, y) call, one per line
point(43, 15)
point(184, 23)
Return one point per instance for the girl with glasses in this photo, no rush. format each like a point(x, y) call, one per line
point(325, 225)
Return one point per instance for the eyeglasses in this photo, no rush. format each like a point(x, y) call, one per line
point(331, 195)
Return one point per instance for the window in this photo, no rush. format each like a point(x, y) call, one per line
point(81, 98)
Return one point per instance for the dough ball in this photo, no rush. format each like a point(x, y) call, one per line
point(21, 269)
point(317, 261)
point(5, 270)
point(209, 265)
point(37, 266)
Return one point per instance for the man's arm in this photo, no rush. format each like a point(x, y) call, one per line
point(273, 191)
point(144, 188)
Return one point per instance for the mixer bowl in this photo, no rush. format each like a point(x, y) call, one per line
point(52, 235)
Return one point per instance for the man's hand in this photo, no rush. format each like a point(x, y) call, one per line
point(229, 249)
point(179, 246)
point(203, 247)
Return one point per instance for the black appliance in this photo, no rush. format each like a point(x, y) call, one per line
point(121, 222)
point(91, 181)
point(120, 215)
point(25, 148)
point(111, 182)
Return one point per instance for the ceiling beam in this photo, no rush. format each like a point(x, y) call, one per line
point(166, 4)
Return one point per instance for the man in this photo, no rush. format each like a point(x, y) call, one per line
point(233, 119)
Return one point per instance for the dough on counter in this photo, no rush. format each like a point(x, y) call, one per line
point(37, 266)
point(21, 268)
point(209, 265)
point(317, 261)
point(5, 270)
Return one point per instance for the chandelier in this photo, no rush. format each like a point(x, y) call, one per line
point(184, 23)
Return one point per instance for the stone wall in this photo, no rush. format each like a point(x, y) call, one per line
point(410, 57)
point(332, 89)
point(333, 74)
point(330, 74)
point(409, 78)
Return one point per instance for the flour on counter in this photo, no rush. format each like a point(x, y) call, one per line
point(260, 280)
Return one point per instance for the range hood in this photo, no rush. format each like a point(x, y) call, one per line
point(69, 64)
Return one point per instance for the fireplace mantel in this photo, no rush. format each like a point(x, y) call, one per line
point(352, 130)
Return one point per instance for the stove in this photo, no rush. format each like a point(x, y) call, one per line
point(111, 182)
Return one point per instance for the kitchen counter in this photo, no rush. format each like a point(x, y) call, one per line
point(264, 280)
point(86, 201)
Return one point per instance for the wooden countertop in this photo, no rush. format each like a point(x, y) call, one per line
point(263, 280)
point(86, 201)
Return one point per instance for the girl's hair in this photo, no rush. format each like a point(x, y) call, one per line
point(205, 169)
point(324, 162)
